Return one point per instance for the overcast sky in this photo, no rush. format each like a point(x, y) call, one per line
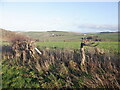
point(61, 16)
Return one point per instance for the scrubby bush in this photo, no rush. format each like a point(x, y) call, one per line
point(61, 69)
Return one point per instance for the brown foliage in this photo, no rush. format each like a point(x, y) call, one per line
point(103, 68)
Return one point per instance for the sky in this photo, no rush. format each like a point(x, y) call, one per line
point(59, 16)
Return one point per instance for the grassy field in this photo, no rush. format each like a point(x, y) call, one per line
point(108, 36)
point(112, 46)
point(69, 36)
point(70, 45)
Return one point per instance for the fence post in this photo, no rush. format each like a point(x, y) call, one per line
point(83, 59)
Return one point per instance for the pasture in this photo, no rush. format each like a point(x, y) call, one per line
point(111, 46)
point(69, 36)
point(106, 45)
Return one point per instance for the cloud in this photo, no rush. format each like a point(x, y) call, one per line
point(99, 27)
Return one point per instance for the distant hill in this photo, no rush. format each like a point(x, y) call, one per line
point(111, 32)
point(55, 36)
point(109, 36)
point(7, 35)
point(69, 36)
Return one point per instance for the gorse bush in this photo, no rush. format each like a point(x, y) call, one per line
point(18, 77)
point(57, 68)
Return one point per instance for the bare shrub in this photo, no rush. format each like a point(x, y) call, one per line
point(102, 68)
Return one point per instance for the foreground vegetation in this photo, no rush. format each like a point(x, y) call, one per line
point(64, 70)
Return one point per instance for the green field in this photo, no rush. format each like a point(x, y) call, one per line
point(70, 45)
point(108, 36)
point(70, 36)
point(112, 46)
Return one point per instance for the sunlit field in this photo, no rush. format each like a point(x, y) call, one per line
point(111, 46)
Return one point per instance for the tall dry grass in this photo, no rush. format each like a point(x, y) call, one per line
point(103, 68)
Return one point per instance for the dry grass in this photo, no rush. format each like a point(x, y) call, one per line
point(62, 68)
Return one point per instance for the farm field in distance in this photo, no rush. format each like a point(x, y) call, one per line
point(109, 41)
point(72, 40)
point(112, 46)
point(70, 36)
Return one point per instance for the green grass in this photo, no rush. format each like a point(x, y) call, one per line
point(108, 36)
point(112, 46)
point(17, 77)
point(71, 45)
point(70, 36)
